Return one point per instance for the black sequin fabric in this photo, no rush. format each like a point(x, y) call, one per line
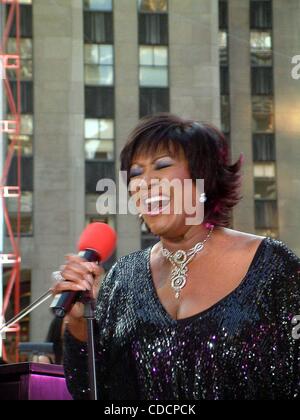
point(240, 348)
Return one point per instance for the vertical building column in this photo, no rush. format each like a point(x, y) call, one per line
point(126, 105)
point(286, 37)
point(58, 143)
point(241, 108)
point(194, 59)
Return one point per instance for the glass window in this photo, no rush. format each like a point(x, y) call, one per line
point(154, 100)
point(223, 14)
point(26, 213)
point(262, 80)
point(271, 233)
point(153, 56)
point(99, 61)
point(261, 58)
point(154, 66)
point(153, 29)
point(265, 189)
point(261, 14)
point(99, 149)
point(26, 134)
point(99, 135)
point(25, 21)
point(262, 114)
point(224, 80)
point(98, 28)
point(102, 5)
point(223, 48)
point(153, 6)
point(99, 102)
point(266, 216)
point(264, 170)
point(99, 129)
point(264, 147)
point(153, 76)
point(261, 40)
point(225, 114)
point(99, 75)
point(26, 57)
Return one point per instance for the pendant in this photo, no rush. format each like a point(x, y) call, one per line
point(178, 279)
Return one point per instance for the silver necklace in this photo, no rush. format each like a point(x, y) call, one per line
point(180, 259)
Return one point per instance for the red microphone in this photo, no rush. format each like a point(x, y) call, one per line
point(96, 244)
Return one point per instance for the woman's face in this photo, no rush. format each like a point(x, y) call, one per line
point(155, 182)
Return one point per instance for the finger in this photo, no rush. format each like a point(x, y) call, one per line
point(75, 258)
point(90, 279)
point(94, 268)
point(79, 268)
point(76, 278)
point(68, 286)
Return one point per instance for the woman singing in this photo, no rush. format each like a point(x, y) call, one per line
point(206, 313)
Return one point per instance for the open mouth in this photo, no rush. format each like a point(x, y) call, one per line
point(155, 205)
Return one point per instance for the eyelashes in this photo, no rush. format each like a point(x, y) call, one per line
point(137, 172)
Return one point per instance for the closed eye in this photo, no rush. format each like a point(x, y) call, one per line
point(162, 165)
point(135, 172)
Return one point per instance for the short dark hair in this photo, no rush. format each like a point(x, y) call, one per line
point(206, 151)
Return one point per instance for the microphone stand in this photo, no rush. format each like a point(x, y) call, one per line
point(89, 315)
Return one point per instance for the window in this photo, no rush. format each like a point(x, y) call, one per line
point(262, 80)
point(153, 6)
point(26, 171)
point(261, 41)
point(153, 29)
point(264, 147)
point(264, 170)
point(265, 189)
point(99, 102)
point(225, 114)
point(266, 214)
point(99, 61)
point(95, 171)
point(261, 58)
point(99, 139)
point(98, 28)
point(261, 14)
point(102, 5)
point(262, 114)
point(26, 95)
point(153, 100)
point(271, 233)
point(26, 213)
point(223, 48)
point(153, 66)
point(26, 57)
point(25, 22)
point(224, 80)
point(223, 14)
point(26, 133)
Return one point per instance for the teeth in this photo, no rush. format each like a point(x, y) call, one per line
point(156, 199)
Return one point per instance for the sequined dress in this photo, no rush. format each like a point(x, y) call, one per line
point(240, 348)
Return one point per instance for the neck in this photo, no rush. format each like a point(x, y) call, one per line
point(187, 240)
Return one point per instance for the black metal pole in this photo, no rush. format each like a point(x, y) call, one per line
point(89, 314)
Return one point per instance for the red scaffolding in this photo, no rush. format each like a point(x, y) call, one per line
point(11, 127)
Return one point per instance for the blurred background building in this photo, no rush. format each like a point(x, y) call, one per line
point(92, 68)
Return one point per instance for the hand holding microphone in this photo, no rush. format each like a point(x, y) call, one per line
point(81, 273)
point(77, 275)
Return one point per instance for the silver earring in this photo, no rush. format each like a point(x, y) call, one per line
point(203, 198)
point(140, 216)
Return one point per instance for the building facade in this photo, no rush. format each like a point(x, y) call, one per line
point(92, 68)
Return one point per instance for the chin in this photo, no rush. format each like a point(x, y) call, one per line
point(160, 225)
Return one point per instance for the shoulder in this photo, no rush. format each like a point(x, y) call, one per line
point(272, 255)
point(127, 265)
